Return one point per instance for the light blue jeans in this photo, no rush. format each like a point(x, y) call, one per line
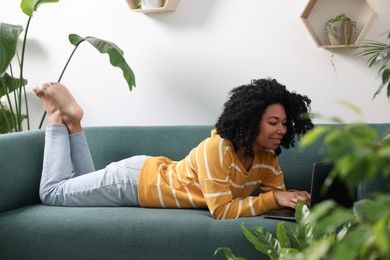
point(69, 177)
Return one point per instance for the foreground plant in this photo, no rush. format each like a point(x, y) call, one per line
point(329, 231)
point(359, 154)
point(13, 98)
point(290, 238)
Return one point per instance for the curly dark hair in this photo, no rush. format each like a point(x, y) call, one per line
point(240, 119)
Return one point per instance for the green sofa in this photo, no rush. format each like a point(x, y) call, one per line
point(30, 230)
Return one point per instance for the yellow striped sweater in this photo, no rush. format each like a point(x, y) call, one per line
point(212, 177)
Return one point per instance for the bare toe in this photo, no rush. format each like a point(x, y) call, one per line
point(49, 104)
point(71, 111)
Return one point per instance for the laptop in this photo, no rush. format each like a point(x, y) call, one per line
point(337, 191)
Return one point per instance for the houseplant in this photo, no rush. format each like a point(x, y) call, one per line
point(379, 53)
point(289, 238)
point(146, 4)
point(358, 153)
point(339, 29)
point(13, 98)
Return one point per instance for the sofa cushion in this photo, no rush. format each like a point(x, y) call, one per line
point(47, 232)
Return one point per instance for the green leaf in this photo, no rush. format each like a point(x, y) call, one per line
point(228, 253)
point(263, 242)
point(371, 211)
point(302, 212)
point(332, 221)
point(351, 106)
point(384, 152)
point(357, 244)
point(289, 253)
point(372, 48)
point(384, 55)
point(29, 6)
point(304, 228)
point(385, 76)
point(9, 84)
point(362, 132)
point(8, 41)
point(358, 210)
point(114, 52)
point(281, 235)
point(318, 249)
point(381, 231)
point(313, 135)
point(8, 120)
point(75, 39)
point(388, 90)
point(292, 233)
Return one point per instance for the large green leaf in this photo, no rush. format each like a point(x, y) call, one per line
point(29, 6)
point(263, 241)
point(302, 212)
point(9, 34)
point(9, 84)
point(304, 228)
point(8, 120)
point(292, 233)
point(318, 249)
point(114, 52)
point(6, 123)
point(281, 235)
point(331, 221)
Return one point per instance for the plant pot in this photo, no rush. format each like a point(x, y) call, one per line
point(340, 33)
point(147, 4)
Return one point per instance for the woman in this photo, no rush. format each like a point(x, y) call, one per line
point(220, 174)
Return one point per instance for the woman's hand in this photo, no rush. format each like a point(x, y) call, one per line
point(290, 198)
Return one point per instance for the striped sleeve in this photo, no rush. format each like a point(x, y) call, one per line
point(225, 185)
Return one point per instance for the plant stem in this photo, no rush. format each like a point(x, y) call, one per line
point(3, 107)
point(59, 79)
point(13, 115)
point(21, 86)
point(17, 106)
point(67, 63)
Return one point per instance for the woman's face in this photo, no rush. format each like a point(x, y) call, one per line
point(272, 128)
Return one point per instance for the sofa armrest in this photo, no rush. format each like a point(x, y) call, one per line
point(20, 168)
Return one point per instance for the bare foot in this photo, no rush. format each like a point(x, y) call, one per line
point(52, 111)
point(70, 110)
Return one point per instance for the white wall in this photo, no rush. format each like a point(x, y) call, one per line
point(187, 61)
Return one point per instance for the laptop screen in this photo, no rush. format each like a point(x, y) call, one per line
point(337, 191)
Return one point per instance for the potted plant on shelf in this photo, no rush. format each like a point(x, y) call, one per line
point(147, 4)
point(13, 99)
point(339, 29)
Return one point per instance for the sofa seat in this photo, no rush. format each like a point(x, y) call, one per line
point(47, 232)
